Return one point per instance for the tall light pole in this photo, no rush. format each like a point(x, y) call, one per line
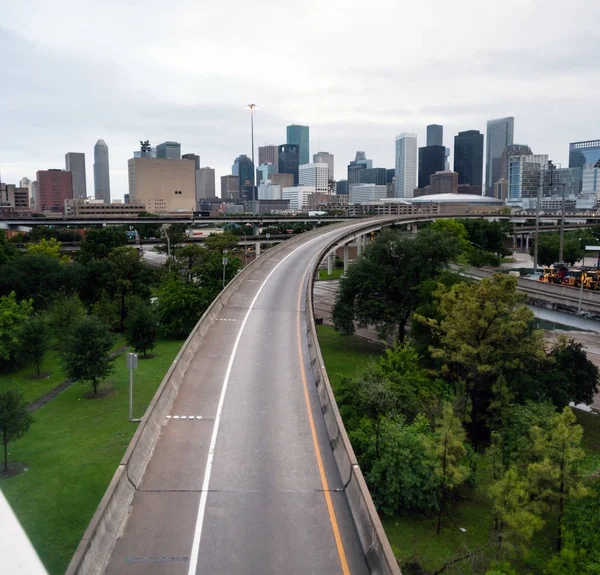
point(252, 106)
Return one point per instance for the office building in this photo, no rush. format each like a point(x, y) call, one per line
point(590, 188)
point(355, 167)
point(435, 135)
point(162, 185)
point(282, 180)
point(289, 160)
point(16, 197)
point(582, 153)
point(193, 157)
point(360, 193)
point(500, 133)
point(53, 188)
point(205, 183)
point(341, 187)
point(75, 163)
point(432, 159)
point(315, 175)
point(325, 158)
point(556, 181)
point(101, 173)
point(321, 201)
point(82, 207)
point(524, 173)
point(269, 191)
point(264, 172)
point(169, 151)
point(444, 182)
point(299, 136)
point(268, 155)
point(268, 207)
point(298, 196)
point(244, 169)
point(406, 165)
point(378, 176)
point(468, 157)
point(230, 187)
point(512, 150)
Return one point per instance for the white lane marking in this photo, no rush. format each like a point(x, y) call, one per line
point(213, 440)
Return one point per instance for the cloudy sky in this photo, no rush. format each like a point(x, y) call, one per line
point(358, 73)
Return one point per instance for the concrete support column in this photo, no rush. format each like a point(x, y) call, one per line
point(255, 229)
point(329, 264)
point(346, 257)
point(527, 243)
point(257, 248)
point(514, 242)
point(359, 246)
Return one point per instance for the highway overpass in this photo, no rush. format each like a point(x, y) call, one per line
point(241, 463)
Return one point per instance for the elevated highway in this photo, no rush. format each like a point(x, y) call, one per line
point(241, 463)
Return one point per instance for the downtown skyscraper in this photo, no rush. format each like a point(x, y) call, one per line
point(299, 136)
point(500, 133)
point(468, 157)
point(406, 165)
point(75, 163)
point(101, 172)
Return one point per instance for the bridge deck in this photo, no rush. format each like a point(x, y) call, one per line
point(259, 506)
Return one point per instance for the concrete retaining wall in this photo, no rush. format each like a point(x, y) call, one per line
point(373, 539)
point(97, 543)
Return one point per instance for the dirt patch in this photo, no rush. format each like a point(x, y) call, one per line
point(104, 390)
point(43, 375)
point(14, 468)
point(149, 356)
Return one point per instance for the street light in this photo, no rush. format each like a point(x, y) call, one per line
point(252, 106)
point(224, 266)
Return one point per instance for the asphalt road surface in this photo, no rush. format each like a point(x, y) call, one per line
point(242, 479)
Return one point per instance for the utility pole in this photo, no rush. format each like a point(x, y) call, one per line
point(537, 226)
point(252, 106)
point(562, 225)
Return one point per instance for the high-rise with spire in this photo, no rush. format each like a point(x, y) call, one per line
point(101, 172)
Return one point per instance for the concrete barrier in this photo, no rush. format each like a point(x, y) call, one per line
point(374, 542)
point(98, 541)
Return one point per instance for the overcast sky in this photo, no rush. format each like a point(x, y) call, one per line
point(358, 73)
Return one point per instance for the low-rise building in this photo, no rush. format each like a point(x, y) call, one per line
point(327, 201)
point(89, 208)
point(391, 207)
point(298, 196)
point(361, 193)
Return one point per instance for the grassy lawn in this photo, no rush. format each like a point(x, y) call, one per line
point(336, 273)
point(72, 451)
point(346, 355)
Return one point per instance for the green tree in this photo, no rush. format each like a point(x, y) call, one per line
point(180, 306)
point(13, 316)
point(485, 334)
point(186, 259)
point(549, 244)
point(7, 249)
point(65, 310)
point(141, 328)
point(403, 478)
point(99, 242)
point(219, 242)
point(107, 310)
point(172, 236)
point(15, 420)
point(556, 476)
point(449, 449)
point(382, 287)
point(85, 352)
point(488, 236)
point(127, 266)
point(34, 340)
point(46, 247)
point(510, 495)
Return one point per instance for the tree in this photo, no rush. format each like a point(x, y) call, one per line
point(65, 310)
point(180, 306)
point(485, 333)
point(34, 340)
point(15, 420)
point(185, 260)
point(141, 328)
point(127, 266)
point(85, 351)
point(173, 235)
point(488, 236)
point(99, 242)
point(13, 315)
point(548, 248)
point(449, 449)
point(382, 287)
point(556, 477)
point(219, 242)
point(46, 247)
point(7, 249)
point(510, 495)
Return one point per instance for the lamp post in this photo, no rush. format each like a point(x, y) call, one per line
point(224, 266)
point(252, 106)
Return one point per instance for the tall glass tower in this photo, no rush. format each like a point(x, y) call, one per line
point(298, 135)
point(101, 172)
point(406, 165)
point(500, 133)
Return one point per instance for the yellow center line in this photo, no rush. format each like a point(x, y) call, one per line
point(334, 525)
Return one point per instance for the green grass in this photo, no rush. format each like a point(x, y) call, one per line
point(346, 355)
point(336, 273)
point(72, 451)
point(35, 388)
point(507, 260)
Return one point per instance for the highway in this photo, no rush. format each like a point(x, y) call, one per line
point(242, 478)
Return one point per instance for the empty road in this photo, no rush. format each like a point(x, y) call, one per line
point(242, 479)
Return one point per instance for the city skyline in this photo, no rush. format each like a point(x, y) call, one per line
point(350, 104)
